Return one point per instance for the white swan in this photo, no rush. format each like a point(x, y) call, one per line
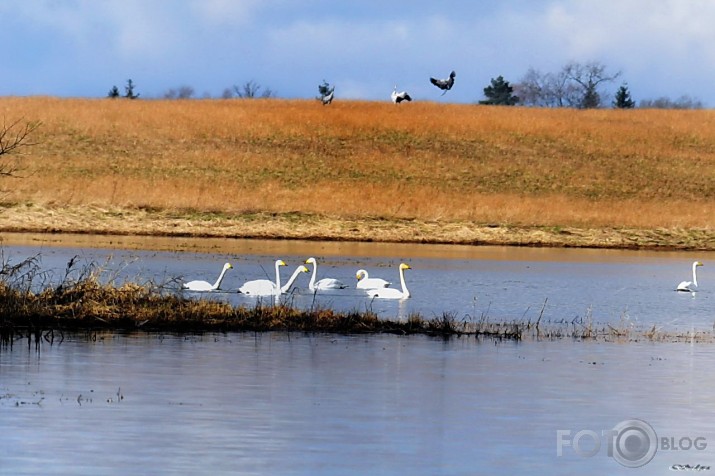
point(298, 270)
point(366, 282)
point(264, 287)
point(392, 293)
point(397, 98)
point(325, 283)
point(690, 286)
point(199, 285)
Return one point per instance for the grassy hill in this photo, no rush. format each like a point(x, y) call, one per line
point(364, 170)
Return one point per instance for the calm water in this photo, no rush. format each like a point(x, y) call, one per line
point(466, 281)
point(294, 404)
point(291, 404)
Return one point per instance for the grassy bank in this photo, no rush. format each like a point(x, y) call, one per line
point(366, 171)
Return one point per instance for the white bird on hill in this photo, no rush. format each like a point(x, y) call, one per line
point(328, 98)
point(399, 97)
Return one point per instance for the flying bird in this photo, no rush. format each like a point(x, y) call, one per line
point(444, 84)
point(397, 98)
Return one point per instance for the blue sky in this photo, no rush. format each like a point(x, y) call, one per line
point(84, 47)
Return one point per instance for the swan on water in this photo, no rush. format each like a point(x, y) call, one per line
point(199, 285)
point(298, 270)
point(264, 287)
point(690, 286)
point(366, 282)
point(392, 293)
point(325, 283)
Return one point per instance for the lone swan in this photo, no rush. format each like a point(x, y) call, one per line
point(690, 286)
point(392, 293)
point(199, 285)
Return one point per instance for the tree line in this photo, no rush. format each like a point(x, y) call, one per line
point(575, 85)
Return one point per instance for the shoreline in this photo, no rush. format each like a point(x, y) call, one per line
point(125, 222)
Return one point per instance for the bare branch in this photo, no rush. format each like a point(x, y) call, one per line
point(13, 137)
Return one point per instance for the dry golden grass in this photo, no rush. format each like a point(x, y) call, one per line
point(450, 163)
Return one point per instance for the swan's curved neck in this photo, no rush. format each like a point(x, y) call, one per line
point(312, 277)
point(405, 291)
point(290, 281)
point(695, 274)
point(220, 278)
point(278, 278)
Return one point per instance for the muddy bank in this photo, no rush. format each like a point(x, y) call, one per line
point(296, 226)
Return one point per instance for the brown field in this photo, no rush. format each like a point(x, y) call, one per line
point(364, 170)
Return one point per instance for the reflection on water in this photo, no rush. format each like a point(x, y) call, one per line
point(298, 404)
point(621, 288)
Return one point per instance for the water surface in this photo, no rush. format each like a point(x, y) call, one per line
point(623, 288)
point(298, 404)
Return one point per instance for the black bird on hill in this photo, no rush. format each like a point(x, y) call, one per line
point(444, 84)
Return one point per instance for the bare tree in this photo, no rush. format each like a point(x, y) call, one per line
point(589, 77)
point(575, 85)
point(683, 102)
point(182, 92)
point(252, 89)
point(12, 138)
point(546, 89)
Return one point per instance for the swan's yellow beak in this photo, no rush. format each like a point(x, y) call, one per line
point(305, 270)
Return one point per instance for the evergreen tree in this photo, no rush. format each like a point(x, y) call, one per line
point(129, 90)
point(113, 93)
point(623, 98)
point(591, 99)
point(499, 93)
